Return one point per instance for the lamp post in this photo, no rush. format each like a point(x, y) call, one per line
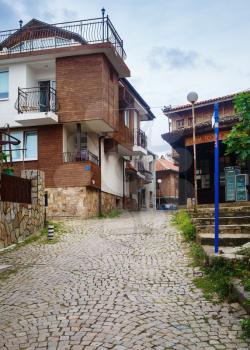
point(159, 182)
point(192, 97)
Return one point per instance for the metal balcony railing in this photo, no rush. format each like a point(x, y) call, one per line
point(80, 156)
point(140, 138)
point(36, 99)
point(47, 36)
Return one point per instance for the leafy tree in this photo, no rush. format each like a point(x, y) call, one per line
point(238, 140)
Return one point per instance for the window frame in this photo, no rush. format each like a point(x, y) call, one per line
point(22, 145)
point(25, 133)
point(178, 121)
point(126, 118)
point(5, 70)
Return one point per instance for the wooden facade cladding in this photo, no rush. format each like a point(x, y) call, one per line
point(125, 135)
point(50, 160)
point(87, 89)
point(202, 114)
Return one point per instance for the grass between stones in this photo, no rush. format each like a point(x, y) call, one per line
point(40, 237)
point(216, 279)
point(6, 274)
point(110, 215)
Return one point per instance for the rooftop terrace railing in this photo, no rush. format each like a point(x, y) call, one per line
point(40, 36)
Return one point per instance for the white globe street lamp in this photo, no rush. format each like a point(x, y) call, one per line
point(192, 97)
point(159, 181)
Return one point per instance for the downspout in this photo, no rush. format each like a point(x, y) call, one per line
point(123, 183)
point(100, 165)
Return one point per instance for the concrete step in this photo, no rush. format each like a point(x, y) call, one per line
point(210, 213)
point(224, 220)
point(225, 239)
point(227, 229)
point(227, 204)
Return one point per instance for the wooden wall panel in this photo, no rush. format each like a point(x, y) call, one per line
point(87, 89)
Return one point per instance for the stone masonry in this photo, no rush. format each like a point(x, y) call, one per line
point(79, 202)
point(19, 220)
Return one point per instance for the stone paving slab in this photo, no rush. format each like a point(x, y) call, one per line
point(123, 283)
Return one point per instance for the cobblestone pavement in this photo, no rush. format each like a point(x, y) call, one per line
point(123, 283)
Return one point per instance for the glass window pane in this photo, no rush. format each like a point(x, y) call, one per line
point(16, 153)
point(31, 145)
point(4, 84)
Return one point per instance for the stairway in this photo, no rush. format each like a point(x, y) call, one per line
point(234, 221)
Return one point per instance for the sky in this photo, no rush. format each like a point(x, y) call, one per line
point(172, 46)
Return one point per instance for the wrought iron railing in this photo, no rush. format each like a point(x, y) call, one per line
point(36, 99)
point(47, 36)
point(80, 156)
point(140, 138)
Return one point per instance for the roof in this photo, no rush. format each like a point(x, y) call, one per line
point(136, 94)
point(165, 164)
point(169, 110)
point(35, 29)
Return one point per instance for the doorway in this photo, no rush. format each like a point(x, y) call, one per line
point(44, 96)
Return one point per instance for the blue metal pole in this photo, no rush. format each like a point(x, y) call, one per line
point(216, 178)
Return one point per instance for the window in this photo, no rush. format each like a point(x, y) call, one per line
point(180, 123)
point(126, 118)
point(4, 85)
point(27, 149)
point(190, 121)
point(30, 143)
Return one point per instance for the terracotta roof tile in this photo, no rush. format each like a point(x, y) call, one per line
point(168, 110)
point(165, 164)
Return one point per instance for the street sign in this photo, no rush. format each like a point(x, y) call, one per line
point(241, 187)
point(230, 187)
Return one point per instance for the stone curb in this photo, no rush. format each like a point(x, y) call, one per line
point(238, 291)
point(4, 268)
point(242, 296)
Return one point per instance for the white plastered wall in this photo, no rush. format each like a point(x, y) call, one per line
point(20, 75)
point(17, 77)
point(112, 173)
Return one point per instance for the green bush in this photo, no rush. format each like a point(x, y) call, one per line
point(216, 280)
point(197, 254)
point(182, 220)
point(245, 325)
point(110, 215)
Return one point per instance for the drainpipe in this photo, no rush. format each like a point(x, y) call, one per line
point(100, 165)
point(123, 183)
point(78, 137)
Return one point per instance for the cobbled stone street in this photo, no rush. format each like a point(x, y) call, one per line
point(122, 283)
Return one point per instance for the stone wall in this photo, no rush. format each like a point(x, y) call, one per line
point(79, 202)
point(19, 220)
point(110, 202)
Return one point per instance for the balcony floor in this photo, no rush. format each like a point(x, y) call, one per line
point(35, 119)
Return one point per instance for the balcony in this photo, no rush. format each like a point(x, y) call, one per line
point(36, 106)
point(80, 156)
point(140, 142)
point(37, 35)
point(145, 172)
point(79, 169)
